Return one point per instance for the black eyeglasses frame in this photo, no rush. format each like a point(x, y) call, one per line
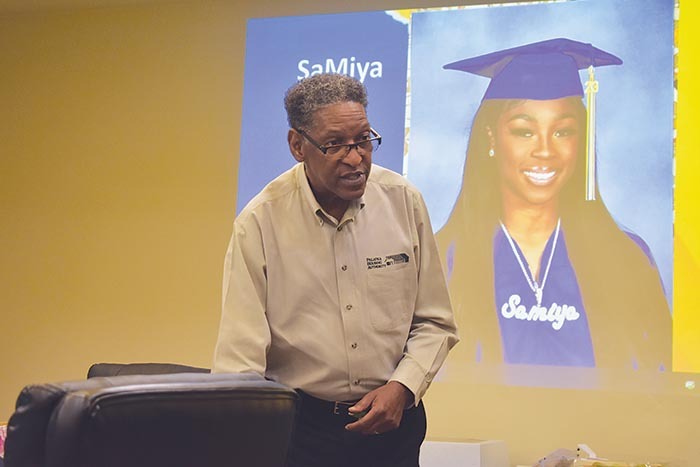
point(350, 146)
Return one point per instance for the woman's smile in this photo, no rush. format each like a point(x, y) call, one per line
point(540, 176)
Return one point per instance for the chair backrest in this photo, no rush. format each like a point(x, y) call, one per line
point(117, 369)
point(153, 420)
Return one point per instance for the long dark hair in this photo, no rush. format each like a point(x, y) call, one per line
point(621, 290)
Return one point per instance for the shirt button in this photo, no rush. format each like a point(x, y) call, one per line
point(356, 382)
point(348, 307)
point(344, 267)
point(340, 227)
point(354, 345)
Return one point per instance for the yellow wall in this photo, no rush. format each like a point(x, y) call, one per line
point(119, 134)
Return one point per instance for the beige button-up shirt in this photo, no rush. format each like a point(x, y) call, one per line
point(335, 308)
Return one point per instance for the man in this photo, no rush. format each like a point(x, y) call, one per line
point(333, 286)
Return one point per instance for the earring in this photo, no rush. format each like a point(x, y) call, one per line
point(492, 152)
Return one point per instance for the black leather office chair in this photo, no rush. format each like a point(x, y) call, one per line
point(181, 419)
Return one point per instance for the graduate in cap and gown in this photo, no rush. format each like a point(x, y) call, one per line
point(539, 271)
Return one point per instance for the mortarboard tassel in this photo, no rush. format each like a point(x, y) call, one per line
point(591, 91)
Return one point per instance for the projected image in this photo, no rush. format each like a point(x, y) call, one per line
point(551, 260)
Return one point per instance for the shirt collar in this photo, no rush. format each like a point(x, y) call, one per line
point(354, 207)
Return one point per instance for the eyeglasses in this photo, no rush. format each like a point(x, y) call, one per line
point(364, 146)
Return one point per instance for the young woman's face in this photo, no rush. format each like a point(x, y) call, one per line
point(536, 145)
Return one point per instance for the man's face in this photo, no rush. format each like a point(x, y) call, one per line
point(335, 179)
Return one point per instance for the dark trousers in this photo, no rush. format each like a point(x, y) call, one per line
point(320, 439)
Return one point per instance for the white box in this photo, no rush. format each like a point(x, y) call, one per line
point(468, 453)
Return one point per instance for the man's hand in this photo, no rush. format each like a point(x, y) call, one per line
point(384, 407)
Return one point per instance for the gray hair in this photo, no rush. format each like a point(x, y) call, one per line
point(310, 94)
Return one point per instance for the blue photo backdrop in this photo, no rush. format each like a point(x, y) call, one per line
point(372, 47)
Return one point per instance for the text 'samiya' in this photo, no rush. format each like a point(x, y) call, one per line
point(344, 66)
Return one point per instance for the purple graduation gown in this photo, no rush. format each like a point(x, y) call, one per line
point(555, 333)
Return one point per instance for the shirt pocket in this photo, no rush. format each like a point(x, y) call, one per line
point(391, 296)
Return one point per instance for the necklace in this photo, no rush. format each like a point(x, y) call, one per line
point(534, 286)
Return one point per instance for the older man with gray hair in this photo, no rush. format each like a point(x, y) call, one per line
point(333, 286)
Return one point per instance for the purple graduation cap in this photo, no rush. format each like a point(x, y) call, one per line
point(541, 70)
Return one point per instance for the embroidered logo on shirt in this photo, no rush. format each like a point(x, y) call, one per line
point(377, 262)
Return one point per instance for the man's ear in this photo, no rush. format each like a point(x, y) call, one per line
point(295, 141)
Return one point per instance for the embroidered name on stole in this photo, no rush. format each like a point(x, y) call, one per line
point(555, 314)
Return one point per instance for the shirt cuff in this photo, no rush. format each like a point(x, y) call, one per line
point(411, 375)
